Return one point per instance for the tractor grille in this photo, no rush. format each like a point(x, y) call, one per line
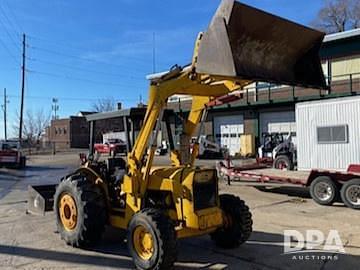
point(205, 194)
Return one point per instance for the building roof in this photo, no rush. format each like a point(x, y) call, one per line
point(342, 35)
point(84, 113)
point(116, 114)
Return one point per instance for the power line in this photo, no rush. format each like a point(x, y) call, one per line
point(67, 98)
point(77, 79)
point(67, 45)
point(9, 21)
point(82, 59)
point(18, 26)
point(9, 52)
point(9, 35)
point(82, 69)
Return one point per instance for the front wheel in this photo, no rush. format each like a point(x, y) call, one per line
point(324, 190)
point(237, 225)
point(350, 193)
point(80, 211)
point(152, 240)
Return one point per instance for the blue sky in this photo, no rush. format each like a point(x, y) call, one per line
point(79, 51)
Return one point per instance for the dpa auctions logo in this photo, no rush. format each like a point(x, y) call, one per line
point(313, 245)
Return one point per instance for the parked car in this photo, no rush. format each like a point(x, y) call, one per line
point(111, 147)
point(11, 155)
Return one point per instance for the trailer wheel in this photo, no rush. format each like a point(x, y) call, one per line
point(324, 190)
point(350, 193)
point(80, 211)
point(283, 163)
point(237, 226)
point(152, 240)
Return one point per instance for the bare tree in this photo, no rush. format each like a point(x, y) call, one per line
point(338, 16)
point(34, 125)
point(104, 105)
point(355, 14)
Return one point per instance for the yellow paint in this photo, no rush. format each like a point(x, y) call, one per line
point(68, 211)
point(176, 181)
point(143, 243)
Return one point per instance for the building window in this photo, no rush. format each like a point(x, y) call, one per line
point(332, 134)
point(64, 131)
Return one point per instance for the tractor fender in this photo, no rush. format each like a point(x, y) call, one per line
point(94, 177)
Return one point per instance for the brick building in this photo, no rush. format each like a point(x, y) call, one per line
point(72, 132)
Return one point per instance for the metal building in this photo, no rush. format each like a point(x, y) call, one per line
point(328, 133)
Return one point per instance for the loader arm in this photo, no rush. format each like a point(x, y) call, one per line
point(241, 45)
point(186, 82)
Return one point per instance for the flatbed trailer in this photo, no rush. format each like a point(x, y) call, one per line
point(326, 186)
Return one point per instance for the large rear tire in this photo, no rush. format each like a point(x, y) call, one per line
point(152, 240)
point(350, 193)
point(324, 190)
point(80, 211)
point(238, 222)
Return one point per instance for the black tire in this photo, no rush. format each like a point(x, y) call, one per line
point(162, 230)
point(350, 193)
point(283, 163)
point(239, 228)
point(91, 211)
point(324, 190)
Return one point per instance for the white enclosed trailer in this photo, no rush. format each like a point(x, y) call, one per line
point(328, 133)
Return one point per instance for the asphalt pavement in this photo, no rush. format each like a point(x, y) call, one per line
point(31, 242)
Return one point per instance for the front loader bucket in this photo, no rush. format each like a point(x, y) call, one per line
point(250, 44)
point(40, 199)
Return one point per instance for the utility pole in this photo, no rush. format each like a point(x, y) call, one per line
point(22, 90)
point(55, 107)
point(5, 108)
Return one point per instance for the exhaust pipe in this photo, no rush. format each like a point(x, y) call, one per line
point(250, 44)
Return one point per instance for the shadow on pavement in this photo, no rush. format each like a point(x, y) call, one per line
point(43, 168)
point(301, 192)
point(262, 251)
point(290, 191)
point(65, 257)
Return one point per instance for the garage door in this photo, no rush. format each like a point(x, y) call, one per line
point(228, 130)
point(281, 122)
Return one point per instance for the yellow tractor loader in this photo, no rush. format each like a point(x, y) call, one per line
point(159, 205)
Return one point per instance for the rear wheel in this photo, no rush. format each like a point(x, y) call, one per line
point(324, 190)
point(152, 240)
point(350, 193)
point(237, 225)
point(283, 163)
point(80, 211)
